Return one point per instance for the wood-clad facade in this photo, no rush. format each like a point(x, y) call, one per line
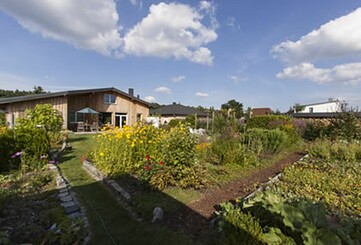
point(115, 107)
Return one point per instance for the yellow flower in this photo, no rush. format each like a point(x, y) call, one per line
point(101, 154)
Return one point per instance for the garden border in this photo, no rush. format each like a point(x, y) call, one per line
point(122, 196)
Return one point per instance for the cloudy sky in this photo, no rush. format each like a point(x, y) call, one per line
point(261, 53)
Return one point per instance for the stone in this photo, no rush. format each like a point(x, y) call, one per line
point(75, 215)
point(157, 214)
point(72, 209)
point(66, 198)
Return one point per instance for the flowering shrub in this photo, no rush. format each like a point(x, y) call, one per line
point(160, 157)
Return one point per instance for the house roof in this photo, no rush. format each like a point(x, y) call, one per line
point(177, 110)
point(315, 115)
point(320, 115)
point(8, 100)
point(321, 103)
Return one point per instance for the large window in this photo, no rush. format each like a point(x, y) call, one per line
point(79, 117)
point(105, 118)
point(109, 99)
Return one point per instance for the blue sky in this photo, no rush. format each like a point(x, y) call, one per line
point(261, 53)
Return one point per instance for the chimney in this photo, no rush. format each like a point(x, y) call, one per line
point(131, 91)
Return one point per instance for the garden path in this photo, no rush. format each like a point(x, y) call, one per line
point(194, 225)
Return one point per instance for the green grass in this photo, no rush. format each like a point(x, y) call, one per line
point(101, 206)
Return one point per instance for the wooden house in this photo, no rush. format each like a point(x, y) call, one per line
point(114, 106)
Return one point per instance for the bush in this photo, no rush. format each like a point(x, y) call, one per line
point(266, 140)
point(227, 150)
point(294, 128)
point(8, 146)
point(327, 150)
point(162, 158)
point(238, 227)
point(320, 149)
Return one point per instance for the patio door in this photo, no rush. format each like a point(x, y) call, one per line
point(121, 119)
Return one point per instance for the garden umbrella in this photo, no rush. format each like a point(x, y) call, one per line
point(85, 110)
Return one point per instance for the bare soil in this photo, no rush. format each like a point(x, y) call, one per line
point(194, 225)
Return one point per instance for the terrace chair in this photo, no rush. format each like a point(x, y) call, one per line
point(94, 127)
point(80, 127)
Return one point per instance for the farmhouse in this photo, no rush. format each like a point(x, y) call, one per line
point(177, 111)
point(102, 105)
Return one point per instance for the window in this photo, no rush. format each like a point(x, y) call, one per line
point(105, 118)
point(109, 99)
point(139, 117)
point(310, 109)
point(79, 117)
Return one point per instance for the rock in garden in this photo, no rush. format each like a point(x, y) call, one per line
point(157, 214)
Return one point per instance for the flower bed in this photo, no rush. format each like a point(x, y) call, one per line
point(161, 158)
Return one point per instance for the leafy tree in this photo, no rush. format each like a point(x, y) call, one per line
point(298, 107)
point(234, 107)
point(43, 115)
point(38, 90)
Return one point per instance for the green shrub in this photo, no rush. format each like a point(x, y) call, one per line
point(7, 149)
point(346, 126)
point(238, 227)
point(175, 122)
point(342, 151)
point(293, 127)
point(270, 140)
point(320, 149)
point(317, 129)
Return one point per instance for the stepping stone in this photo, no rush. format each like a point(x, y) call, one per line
point(63, 190)
point(70, 207)
point(66, 198)
point(75, 215)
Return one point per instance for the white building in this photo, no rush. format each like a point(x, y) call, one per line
point(331, 106)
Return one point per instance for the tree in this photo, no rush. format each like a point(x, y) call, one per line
point(44, 116)
point(38, 90)
point(298, 107)
point(233, 107)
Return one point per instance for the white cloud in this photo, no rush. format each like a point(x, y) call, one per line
point(201, 94)
point(210, 9)
point(232, 22)
point(178, 78)
point(150, 99)
point(137, 3)
point(237, 79)
point(83, 23)
point(171, 30)
point(163, 90)
point(337, 38)
point(345, 73)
